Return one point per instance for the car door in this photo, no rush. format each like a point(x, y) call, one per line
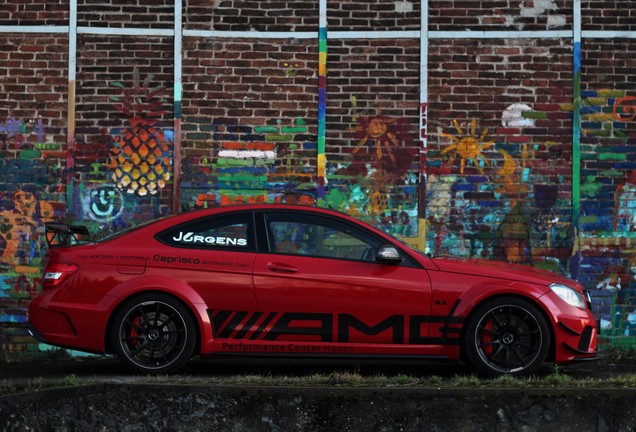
point(322, 281)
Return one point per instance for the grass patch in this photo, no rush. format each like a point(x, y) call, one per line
point(38, 384)
point(556, 378)
point(619, 355)
point(58, 354)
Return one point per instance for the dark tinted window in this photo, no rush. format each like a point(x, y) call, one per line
point(233, 232)
point(310, 235)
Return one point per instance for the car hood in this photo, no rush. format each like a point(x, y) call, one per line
point(501, 270)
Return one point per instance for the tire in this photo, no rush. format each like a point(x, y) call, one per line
point(153, 334)
point(507, 335)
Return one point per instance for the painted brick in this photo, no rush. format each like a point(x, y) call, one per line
point(257, 92)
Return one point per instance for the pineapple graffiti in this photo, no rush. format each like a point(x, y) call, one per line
point(141, 156)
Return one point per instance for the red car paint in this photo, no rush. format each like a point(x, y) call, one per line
point(248, 295)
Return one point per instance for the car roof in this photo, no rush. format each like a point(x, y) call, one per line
point(264, 206)
point(189, 215)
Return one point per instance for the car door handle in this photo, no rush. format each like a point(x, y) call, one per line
point(284, 268)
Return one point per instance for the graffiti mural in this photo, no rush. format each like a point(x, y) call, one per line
point(467, 147)
point(252, 164)
point(624, 108)
point(378, 182)
point(30, 196)
point(484, 198)
point(608, 212)
point(22, 228)
point(103, 203)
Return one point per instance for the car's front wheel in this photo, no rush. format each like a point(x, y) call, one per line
point(153, 333)
point(507, 336)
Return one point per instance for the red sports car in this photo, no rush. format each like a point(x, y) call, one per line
point(280, 280)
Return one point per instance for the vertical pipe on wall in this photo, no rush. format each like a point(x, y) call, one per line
point(322, 99)
point(421, 205)
point(576, 141)
point(177, 91)
point(70, 118)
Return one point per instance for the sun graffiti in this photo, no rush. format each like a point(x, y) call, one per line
point(377, 128)
point(468, 147)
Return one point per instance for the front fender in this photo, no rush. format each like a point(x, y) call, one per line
point(479, 293)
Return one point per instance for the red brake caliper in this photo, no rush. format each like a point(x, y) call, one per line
point(133, 333)
point(486, 338)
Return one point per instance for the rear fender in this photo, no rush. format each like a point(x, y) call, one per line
point(174, 287)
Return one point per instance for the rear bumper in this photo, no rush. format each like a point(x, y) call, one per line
point(66, 325)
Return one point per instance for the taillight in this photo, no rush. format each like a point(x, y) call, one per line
point(55, 274)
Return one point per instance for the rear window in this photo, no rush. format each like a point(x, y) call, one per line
point(229, 232)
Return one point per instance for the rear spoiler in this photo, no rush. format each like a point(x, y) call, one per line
point(61, 234)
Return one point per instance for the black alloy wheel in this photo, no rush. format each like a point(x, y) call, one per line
point(507, 336)
point(153, 333)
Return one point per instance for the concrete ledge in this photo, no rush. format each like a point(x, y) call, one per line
point(128, 407)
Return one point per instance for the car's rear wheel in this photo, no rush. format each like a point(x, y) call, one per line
point(507, 336)
point(153, 333)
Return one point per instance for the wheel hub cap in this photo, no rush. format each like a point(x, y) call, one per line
point(154, 334)
point(508, 338)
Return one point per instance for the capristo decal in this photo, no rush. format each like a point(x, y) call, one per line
point(197, 261)
point(191, 238)
point(177, 259)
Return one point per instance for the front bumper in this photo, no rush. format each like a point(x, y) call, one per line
point(580, 338)
point(575, 330)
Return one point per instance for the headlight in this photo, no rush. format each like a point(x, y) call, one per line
point(569, 295)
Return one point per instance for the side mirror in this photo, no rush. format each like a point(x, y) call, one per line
point(388, 254)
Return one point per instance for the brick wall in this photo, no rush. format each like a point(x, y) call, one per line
point(500, 15)
point(124, 13)
point(373, 15)
point(608, 15)
point(241, 15)
point(34, 12)
point(498, 127)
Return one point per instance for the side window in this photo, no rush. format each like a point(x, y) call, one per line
point(231, 232)
point(309, 235)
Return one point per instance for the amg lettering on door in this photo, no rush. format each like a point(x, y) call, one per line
point(278, 326)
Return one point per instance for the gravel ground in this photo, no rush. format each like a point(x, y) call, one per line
point(99, 395)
